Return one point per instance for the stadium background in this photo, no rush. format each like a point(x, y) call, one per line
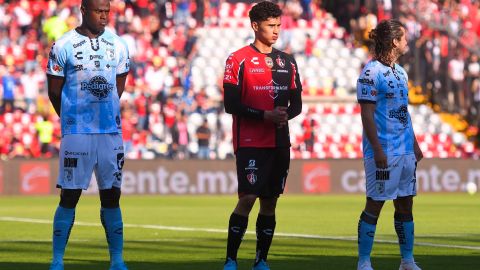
point(178, 49)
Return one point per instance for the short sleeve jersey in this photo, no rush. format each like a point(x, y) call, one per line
point(265, 81)
point(90, 103)
point(387, 87)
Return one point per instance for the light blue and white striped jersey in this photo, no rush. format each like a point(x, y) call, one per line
point(387, 87)
point(90, 102)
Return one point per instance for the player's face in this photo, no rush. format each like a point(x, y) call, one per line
point(401, 44)
point(95, 15)
point(267, 31)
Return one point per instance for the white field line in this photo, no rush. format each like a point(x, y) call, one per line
point(190, 229)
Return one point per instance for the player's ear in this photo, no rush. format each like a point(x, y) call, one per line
point(82, 9)
point(255, 26)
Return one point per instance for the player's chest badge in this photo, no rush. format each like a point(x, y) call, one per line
point(269, 62)
point(280, 61)
point(110, 54)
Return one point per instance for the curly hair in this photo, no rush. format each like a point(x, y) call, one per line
point(383, 36)
point(264, 10)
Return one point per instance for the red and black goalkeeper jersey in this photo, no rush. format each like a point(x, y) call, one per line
point(255, 82)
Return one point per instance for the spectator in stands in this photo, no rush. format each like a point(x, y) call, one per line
point(390, 149)
point(44, 129)
point(180, 138)
point(203, 138)
point(456, 98)
point(9, 85)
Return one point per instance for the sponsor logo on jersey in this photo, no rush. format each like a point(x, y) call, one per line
point(281, 70)
point(96, 56)
point(251, 168)
point(273, 88)
point(386, 73)
point(382, 175)
point(256, 70)
point(366, 81)
point(70, 162)
point(97, 63)
point(255, 61)
point(280, 61)
point(401, 114)
point(73, 153)
point(389, 95)
point(79, 44)
point(106, 42)
point(78, 67)
point(98, 86)
point(269, 62)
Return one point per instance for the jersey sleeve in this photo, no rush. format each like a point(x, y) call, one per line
point(232, 68)
point(367, 85)
point(123, 58)
point(57, 59)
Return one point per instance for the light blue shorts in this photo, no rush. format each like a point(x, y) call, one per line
point(398, 180)
point(81, 154)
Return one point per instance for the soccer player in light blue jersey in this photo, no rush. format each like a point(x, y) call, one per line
point(86, 73)
point(390, 149)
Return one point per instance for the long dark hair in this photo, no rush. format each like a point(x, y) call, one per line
point(383, 36)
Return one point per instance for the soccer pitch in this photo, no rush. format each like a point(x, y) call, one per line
point(313, 232)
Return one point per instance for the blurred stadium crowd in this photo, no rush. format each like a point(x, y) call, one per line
point(172, 106)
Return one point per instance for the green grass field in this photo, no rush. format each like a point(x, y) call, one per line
point(313, 232)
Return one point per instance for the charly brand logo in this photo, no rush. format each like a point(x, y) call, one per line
point(98, 86)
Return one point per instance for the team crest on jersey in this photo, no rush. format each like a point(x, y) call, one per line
point(110, 54)
point(280, 61)
point(252, 178)
point(269, 62)
point(98, 86)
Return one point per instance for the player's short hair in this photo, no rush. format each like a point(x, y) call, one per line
point(264, 10)
point(384, 34)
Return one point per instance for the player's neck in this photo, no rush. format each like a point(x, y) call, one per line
point(262, 47)
point(84, 30)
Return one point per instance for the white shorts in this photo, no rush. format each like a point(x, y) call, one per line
point(80, 154)
point(398, 180)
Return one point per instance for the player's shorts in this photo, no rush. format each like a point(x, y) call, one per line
point(262, 171)
point(81, 154)
point(398, 180)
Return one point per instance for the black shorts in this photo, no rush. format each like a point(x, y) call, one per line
point(262, 171)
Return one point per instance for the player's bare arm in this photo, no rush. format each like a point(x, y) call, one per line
point(55, 85)
point(367, 114)
point(121, 79)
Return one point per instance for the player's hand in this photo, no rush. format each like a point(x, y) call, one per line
point(380, 159)
point(278, 115)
